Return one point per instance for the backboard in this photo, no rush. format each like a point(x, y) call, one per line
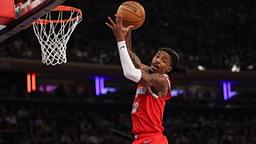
point(26, 11)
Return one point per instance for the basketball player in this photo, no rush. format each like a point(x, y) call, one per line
point(153, 87)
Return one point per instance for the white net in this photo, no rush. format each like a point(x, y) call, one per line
point(53, 32)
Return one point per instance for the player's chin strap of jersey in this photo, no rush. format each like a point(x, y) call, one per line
point(129, 70)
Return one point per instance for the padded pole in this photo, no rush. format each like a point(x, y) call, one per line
point(7, 11)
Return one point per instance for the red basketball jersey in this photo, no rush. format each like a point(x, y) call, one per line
point(147, 111)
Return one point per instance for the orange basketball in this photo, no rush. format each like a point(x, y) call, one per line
point(132, 13)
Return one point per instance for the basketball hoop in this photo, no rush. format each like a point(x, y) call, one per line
point(53, 32)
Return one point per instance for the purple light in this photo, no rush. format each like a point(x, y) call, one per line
point(97, 86)
point(229, 89)
point(176, 92)
point(47, 88)
point(51, 88)
point(225, 92)
point(100, 88)
point(233, 93)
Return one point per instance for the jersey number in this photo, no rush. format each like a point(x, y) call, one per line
point(134, 107)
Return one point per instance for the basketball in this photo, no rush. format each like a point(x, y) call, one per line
point(132, 13)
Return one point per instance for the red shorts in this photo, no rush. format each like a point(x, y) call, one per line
point(151, 138)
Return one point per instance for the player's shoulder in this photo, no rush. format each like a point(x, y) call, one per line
point(161, 78)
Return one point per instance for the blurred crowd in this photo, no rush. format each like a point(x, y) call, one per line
point(70, 114)
point(67, 115)
point(60, 125)
point(212, 128)
point(210, 34)
point(44, 123)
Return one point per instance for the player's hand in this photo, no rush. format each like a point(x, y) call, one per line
point(118, 29)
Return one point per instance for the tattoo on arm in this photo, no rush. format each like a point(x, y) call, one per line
point(157, 81)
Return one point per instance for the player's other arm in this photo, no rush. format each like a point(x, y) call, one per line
point(157, 81)
point(135, 59)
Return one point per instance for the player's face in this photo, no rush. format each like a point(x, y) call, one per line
point(161, 62)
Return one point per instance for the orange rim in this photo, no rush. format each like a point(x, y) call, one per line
point(61, 8)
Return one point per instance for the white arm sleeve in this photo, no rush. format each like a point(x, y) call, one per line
point(129, 70)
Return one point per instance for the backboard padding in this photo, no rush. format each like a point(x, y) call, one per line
point(27, 15)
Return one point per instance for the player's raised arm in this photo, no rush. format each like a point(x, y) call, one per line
point(120, 32)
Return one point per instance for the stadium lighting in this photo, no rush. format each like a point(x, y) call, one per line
point(250, 67)
point(201, 68)
point(235, 68)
